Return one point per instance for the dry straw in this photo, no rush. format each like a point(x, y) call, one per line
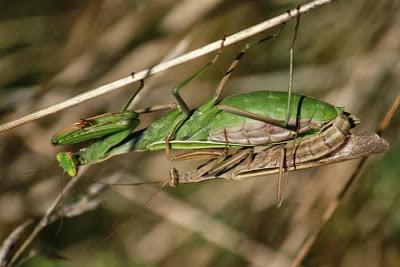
point(112, 86)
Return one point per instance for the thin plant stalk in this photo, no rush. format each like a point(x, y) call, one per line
point(112, 86)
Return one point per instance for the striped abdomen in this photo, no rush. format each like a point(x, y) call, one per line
point(311, 114)
point(252, 132)
point(309, 148)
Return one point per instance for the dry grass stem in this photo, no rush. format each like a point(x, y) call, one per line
point(7, 248)
point(44, 221)
point(85, 203)
point(234, 38)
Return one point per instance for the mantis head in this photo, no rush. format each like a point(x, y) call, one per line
point(68, 163)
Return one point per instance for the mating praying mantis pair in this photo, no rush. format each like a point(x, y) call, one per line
point(256, 133)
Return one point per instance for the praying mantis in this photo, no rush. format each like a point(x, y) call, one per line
point(299, 128)
point(248, 162)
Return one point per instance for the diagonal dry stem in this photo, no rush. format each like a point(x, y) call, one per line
point(44, 221)
point(234, 38)
point(6, 249)
point(84, 203)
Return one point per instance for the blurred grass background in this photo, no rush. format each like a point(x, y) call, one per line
point(347, 54)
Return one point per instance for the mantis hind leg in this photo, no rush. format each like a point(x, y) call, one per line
point(236, 61)
point(284, 177)
point(227, 108)
point(182, 104)
point(251, 115)
point(291, 64)
point(129, 101)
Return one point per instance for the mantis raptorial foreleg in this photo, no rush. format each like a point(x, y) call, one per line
point(99, 126)
point(111, 128)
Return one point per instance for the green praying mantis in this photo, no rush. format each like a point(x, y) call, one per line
point(224, 130)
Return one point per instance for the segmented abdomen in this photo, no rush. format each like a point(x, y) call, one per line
point(310, 148)
point(311, 114)
point(252, 132)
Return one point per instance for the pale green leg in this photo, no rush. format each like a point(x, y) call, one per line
point(283, 178)
point(234, 64)
point(182, 104)
point(128, 103)
point(291, 65)
point(178, 88)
